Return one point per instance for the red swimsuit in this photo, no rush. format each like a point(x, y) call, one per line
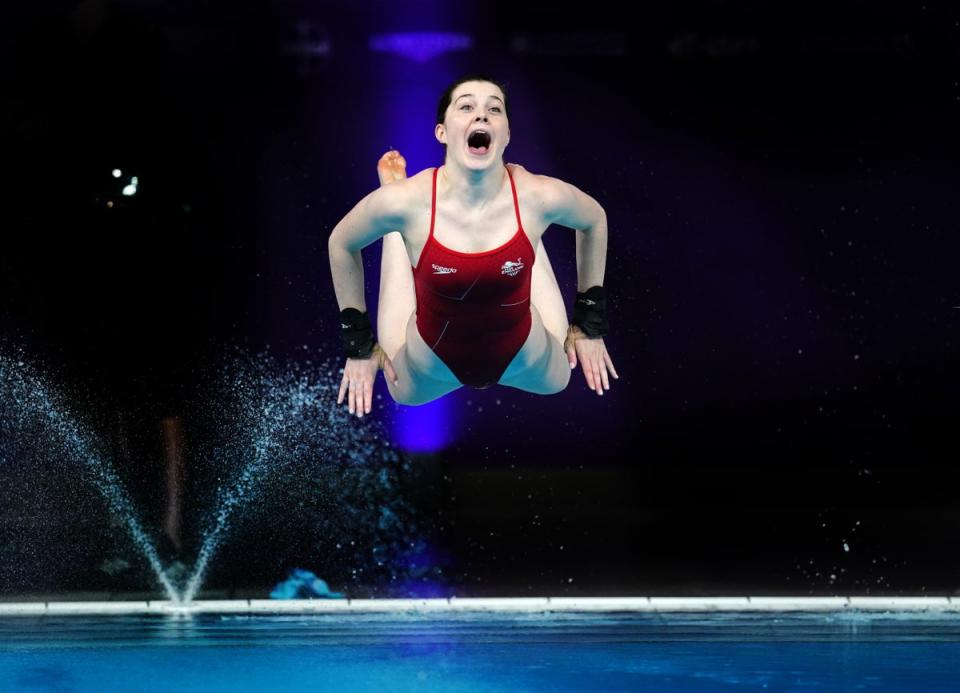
point(473, 309)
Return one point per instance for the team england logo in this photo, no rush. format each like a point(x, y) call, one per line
point(512, 268)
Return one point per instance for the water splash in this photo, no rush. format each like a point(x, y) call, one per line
point(29, 404)
point(271, 441)
point(289, 414)
point(287, 402)
point(303, 450)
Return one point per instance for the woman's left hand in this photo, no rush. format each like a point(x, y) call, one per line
point(593, 357)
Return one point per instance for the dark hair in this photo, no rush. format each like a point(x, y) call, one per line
point(445, 99)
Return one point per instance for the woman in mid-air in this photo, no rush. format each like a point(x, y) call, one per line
point(467, 293)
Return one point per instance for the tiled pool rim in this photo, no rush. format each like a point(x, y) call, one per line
point(490, 605)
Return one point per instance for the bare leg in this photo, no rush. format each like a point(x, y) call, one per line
point(545, 295)
point(415, 387)
point(396, 314)
point(541, 366)
point(398, 298)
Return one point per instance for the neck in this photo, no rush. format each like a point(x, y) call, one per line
point(472, 188)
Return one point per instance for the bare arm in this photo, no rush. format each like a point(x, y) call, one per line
point(376, 215)
point(567, 205)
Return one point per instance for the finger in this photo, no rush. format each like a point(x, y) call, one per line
point(355, 395)
point(390, 371)
point(595, 367)
point(359, 410)
point(367, 397)
point(588, 374)
point(346, 387)
point(589, 370)
point(571, 353)
point(343, 388)
point(606, 356)
point(604, 377)
point(366, 394)
point(590, 367)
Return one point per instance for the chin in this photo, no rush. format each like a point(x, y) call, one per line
point(481, 163)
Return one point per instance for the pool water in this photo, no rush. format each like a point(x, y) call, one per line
point(482, 652)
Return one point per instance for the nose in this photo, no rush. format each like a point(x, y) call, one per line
point(481, 117)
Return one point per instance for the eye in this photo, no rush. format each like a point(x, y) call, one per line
point(495, 108)
point(466, 105)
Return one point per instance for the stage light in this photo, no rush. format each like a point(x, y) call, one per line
point(420, 46)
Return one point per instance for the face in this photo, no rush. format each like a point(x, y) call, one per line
point(475, 108)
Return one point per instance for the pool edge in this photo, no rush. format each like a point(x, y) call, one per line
point(491, 605)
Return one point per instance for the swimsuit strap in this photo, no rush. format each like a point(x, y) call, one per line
point(516, 205)
point(433, 204)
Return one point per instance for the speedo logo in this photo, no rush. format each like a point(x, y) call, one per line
point(512, 268)
point(440, 269)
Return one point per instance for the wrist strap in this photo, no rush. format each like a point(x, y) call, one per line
point(590, 312)
point(356, 333)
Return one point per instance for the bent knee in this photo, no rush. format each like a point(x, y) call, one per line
point(553, 371)
point(559, 384)
point(402, 393)
point(416, 389)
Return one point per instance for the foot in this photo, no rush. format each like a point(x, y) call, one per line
point(391, 167)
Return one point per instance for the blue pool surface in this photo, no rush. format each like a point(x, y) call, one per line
point(483, 652)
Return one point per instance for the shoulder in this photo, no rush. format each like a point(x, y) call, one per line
point(422, 180)
point(557, 201)
point(537, 184)
point(533, 189)
point(545, 193)
point(528, 179)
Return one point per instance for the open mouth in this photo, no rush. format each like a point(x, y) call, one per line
point(479, 142)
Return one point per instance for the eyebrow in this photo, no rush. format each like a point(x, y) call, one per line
point(490, 97)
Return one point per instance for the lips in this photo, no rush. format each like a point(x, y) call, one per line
point(478, 141)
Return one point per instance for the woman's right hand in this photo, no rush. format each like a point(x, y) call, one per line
point(358, 377)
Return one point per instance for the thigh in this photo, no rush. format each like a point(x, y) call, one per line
point(423, 376)
point(398, 298)
point(545, 295)
point(541, 364)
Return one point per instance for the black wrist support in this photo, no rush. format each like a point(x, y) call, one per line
point(357, 333)
point(590, 312)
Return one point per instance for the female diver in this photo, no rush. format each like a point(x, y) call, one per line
point(481, 306)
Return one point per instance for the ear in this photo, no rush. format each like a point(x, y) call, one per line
point(440, 133)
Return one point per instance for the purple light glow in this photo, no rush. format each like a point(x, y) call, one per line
point(424, 428)
point(407, 93)
point(420, 46)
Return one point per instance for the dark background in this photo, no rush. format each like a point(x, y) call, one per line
point(779, 181)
